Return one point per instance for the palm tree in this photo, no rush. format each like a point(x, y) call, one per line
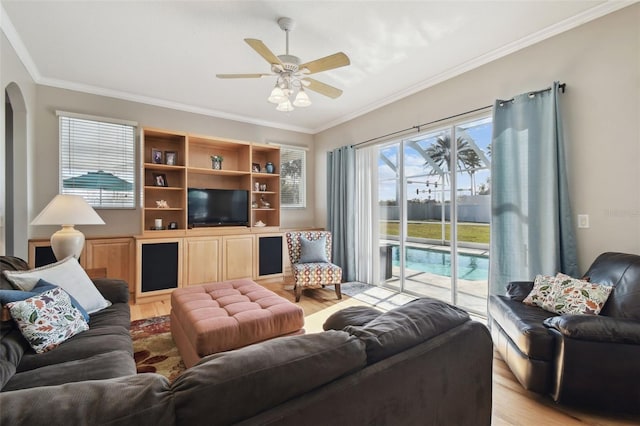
point(440, 153)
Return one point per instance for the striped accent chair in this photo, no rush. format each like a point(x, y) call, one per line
point(311, 264)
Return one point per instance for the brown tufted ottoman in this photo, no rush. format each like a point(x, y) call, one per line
point(226, 315)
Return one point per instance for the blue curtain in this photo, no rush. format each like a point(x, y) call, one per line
point(531, 225)
point(341, 196)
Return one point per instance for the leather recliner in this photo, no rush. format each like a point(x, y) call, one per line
point(584, 360)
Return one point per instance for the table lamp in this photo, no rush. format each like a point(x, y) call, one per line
point(67, 210)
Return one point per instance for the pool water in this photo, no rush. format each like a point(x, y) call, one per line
point(470, 267)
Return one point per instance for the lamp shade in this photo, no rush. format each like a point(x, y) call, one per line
point(67, 210)
point(302, 99)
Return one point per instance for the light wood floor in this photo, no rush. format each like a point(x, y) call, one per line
point(512, 405)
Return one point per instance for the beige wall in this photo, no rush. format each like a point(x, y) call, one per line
point(15, 80)
point(127, 222)
point(600, 63)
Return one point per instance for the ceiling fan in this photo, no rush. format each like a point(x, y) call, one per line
point(292, 76)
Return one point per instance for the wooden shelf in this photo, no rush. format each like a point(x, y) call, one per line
point(164, 188)
point(164, 208)
point(161, 167)
point(203, 171)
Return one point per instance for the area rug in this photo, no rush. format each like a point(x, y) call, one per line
point(353, 288)
point(154, 349)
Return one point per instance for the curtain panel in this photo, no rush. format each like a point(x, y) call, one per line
point(341, 208)
point(531, 225)
point(367, 261)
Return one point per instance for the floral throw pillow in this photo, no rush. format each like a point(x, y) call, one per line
point(573, 296)
point(48, 319)
point(540, 292)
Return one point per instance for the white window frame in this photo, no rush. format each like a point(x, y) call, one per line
point(302, 185)
point(85, 162)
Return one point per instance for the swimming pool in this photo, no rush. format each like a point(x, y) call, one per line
point(470, 267)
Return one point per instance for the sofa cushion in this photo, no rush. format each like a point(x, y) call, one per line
point(142, 399)
point(48, 319)
point(576, 297)
point(407, 326)
point(353, 315)
point(67, 274)
point(10, 263)
point(622, 271)
point(106, 365)
point(12, 347)
point(7, 296)
point(524, 326)
point(228, 387)
point(117, 314)
point(96, 340)
point(313, 251)
point(542, 287)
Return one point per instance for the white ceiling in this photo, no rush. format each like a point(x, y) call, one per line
point(167, 52)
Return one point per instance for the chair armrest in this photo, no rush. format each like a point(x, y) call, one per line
point(519, 290)
point(596, 328)
point(115, 291)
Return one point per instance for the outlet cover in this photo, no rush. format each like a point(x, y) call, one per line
point(583, 221)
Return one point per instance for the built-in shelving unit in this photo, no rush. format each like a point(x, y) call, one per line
point(193, 169)
point(164, 181)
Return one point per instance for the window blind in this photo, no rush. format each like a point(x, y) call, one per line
point(293, 171)
point(97, 160)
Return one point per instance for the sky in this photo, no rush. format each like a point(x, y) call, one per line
point(417, 174)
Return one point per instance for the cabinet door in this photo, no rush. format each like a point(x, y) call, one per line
point(270, 255)
point(116, 255)
point(159, 266)
point(237, 257)
point(202, 260)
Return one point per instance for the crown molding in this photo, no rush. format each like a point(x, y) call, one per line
point(16, 42)
point(593, 13)
point(148, 100)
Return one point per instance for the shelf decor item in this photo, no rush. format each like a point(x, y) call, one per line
point(270, 167)
point(160, 179)
point(156, 156)
point(170, 158)
point(216, 162)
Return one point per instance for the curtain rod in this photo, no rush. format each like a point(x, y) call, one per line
point(561, 86)
point(421, 125)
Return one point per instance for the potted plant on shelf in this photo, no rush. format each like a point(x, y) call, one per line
point(216, 162)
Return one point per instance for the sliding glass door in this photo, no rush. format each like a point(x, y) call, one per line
point(434, 209)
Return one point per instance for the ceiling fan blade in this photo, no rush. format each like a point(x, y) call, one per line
point(242, 75)
point(322, 88)
point(263, 50)
point(330, 62)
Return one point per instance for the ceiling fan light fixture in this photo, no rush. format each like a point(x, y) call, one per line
point(302, 99)
point(277, 96)
point(285, 106)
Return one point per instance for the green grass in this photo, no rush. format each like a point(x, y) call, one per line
point(467, 232)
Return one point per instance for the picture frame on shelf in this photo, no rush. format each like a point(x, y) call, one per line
point(160, 179)
point(255, 167)
point(156, 156)
point(171, 158)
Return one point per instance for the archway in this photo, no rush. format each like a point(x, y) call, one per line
point(13, 235)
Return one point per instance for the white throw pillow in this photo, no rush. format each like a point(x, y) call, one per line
point(67, 274)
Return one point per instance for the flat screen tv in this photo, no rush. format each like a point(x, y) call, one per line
point(217, 207)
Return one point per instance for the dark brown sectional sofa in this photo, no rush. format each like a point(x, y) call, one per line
point(425, 363)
